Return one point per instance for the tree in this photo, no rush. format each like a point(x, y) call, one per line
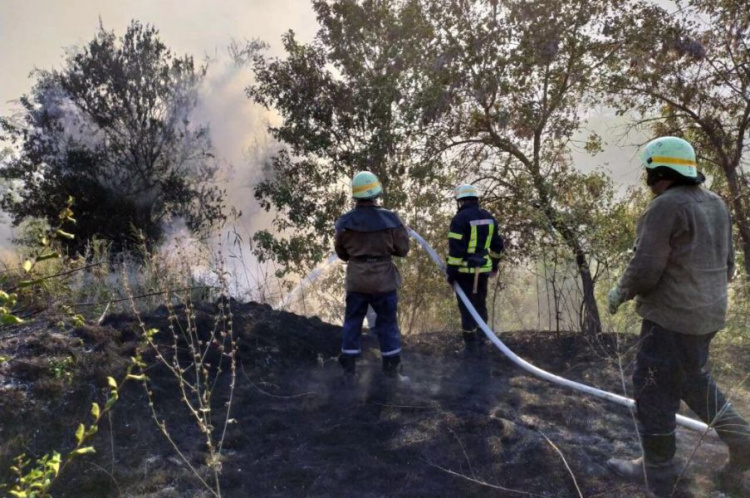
point(686, 71)
point(339, 100)
point(429, 95)
point(112, 130)
point(503, 90)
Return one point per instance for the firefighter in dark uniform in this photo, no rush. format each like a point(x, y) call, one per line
point(474, 249)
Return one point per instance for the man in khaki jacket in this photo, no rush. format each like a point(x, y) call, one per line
point(678, 276)
point(367, 238)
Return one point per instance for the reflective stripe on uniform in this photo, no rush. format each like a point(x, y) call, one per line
point(489, 236)
point(472, 240)
point(454, 235)
point(351, 351)
point(453, 261)
point(485, 221)
point(483, 269)
point(391, 353)
point(494, 255)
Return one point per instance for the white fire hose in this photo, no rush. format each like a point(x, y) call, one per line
point(538, 372)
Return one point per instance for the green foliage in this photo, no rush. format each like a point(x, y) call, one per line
point(112, 128)
point(35, 481)
point(684, 72)
point(43, 242)
point(428, 95)
point(62, 368)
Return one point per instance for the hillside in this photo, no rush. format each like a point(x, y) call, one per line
point(457, 427)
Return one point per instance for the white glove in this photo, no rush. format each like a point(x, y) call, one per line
point(614, 300)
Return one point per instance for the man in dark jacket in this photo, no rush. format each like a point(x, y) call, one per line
point(678, 276)
point(474, 249)
point(367, 238)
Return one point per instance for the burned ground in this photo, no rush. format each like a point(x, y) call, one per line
point(457, 427)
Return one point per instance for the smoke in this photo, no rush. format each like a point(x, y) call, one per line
point(244, 148)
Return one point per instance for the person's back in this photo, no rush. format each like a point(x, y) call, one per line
point(690, 294)
point(474, 249)
point(367, 238)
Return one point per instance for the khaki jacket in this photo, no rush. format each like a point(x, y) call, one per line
point(683, 261)
point(371, 232)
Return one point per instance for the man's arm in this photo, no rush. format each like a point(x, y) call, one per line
point(457, 245)
point(497, 246)
point(338, 245)
point(400, 242)
point(655, 230)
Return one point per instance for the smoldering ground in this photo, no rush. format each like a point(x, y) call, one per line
point(457, 427)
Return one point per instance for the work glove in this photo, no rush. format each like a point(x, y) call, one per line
point(614, 300)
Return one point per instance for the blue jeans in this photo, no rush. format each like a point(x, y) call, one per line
point(385, 305)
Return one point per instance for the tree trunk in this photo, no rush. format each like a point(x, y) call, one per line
point(740, 212)
point(591, 323)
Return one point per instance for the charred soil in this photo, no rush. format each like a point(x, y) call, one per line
point(456, 427)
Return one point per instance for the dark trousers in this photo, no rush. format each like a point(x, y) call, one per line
point(385, 305)
point(670, 367)
point(479, 300)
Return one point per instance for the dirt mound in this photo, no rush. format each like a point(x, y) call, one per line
point(456, 427)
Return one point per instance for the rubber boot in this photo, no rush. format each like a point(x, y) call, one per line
point(735, 432)
point(390, 366)
point(348, 364)
point(660, 469)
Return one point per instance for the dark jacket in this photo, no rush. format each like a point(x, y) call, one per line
point(366, 238)
point(682, 262)
point(474, 241)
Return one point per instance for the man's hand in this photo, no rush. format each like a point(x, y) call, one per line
point(493, 274)
point(614, 300)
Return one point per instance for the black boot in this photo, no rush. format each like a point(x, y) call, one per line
point(657, 467)
point(735, 432)
point(348, 363)
point(390, 365)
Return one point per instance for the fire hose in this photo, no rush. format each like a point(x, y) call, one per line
point(686, 422)
point(536, 371)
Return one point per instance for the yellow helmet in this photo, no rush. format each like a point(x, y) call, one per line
point(365, 185)
point(466, 190)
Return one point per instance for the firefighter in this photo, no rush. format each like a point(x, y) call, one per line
point(367, 238)
point(474, 249)
point(678, 276)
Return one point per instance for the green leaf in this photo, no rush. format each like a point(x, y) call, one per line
point(64, 234)
point(28, 283)
point(51, 255)
point(79, 433)
point(136, 377)
point(95, 410)
point(112, 382)
point(83, 451)
point(10, 320)
point(27, 265)
point(4, 296)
